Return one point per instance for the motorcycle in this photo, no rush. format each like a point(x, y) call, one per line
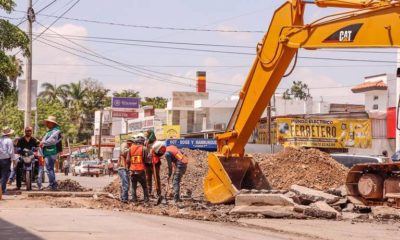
point(30, 162)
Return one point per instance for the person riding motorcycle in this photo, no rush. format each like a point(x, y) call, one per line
point(25, 142)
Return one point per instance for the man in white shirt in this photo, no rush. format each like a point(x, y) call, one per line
point(6, 156)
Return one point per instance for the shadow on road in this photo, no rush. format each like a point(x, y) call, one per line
point(11, 231)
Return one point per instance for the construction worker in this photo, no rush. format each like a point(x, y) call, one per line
point(122, 166)
point(177, 162)
point(154, 152)
point(136, 167)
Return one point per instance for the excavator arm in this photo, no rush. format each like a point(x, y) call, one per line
point(373, 23)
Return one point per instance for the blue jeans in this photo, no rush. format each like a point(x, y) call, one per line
point(176, 179)
point(124, 177)
point(40, 177)
point(5, 165)
point(50, 160)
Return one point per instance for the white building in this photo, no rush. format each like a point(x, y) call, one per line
point(380, 100)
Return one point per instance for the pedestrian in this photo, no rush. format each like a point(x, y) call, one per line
point(26, 142)
point(136, 167)
point(66, 167)
point(13, 172)
point(177, 163)
point(40, 170)
point(123, 173)
point(110, 168)
point(152, 161)
point(51, 145)
point(6, 156)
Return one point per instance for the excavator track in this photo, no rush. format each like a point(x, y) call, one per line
point(375, 184)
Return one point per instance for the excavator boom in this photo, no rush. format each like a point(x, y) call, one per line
point(374, 23)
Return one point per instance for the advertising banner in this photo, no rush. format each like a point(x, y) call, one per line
point(125, 102)
point(324, 133)
point(22, 94)
point(171, 131)
point(194, 143)
point(125, 114)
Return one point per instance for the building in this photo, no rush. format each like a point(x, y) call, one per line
point(380, 102)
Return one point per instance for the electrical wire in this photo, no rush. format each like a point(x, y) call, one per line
point(65, 12)
point(153, 27)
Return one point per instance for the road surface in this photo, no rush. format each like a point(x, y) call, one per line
point(62, 223)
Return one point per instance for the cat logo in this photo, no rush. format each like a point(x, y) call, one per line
point(346, 34)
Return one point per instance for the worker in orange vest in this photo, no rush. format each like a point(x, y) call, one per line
point(136, 168)
point(154, 151)
point(177, 161)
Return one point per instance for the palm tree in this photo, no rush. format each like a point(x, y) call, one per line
point(127, 93)
point(77, 95)
point(50, 92)
point(16, 71)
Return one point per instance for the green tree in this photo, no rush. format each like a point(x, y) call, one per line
point(16, 70)
point(9, 114)
point(127, 93)
point(52, 92)
point(156, 102)
point(298, 91)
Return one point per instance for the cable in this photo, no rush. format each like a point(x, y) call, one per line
point(41, 10)
point(65, 12)
point(145, 75)
point(153, 27)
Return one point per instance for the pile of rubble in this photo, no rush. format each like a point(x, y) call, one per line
point(306, 167)
point(303, 202)
point(69, 185)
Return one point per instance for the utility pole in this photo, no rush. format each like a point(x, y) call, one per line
point(31, 19)
point(101, 126)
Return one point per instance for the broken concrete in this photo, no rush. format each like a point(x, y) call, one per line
point(321, 210)
point(383, 212)
point(65, 194)
point(340, 191)
point(267, 211)
point(263, 200)
point(342, 203)
point(353, 216)
point(308, 195)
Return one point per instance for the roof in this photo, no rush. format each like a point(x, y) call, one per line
point(369, 86)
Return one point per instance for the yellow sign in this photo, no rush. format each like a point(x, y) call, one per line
point(172, 131)
point(121, 138)
point(324, 133)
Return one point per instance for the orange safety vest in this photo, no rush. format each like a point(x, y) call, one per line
point(136, 154)
point(177, 154)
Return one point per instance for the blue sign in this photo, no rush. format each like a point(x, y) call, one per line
point(125, 102)
point(194, 143)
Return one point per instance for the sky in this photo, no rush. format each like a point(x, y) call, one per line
point(328, 80)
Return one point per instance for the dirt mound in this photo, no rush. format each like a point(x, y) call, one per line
point(192, 182)
point(69, 185)
point(307, 167)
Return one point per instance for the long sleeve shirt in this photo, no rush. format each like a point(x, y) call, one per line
point(52, 137)
point(6, 148)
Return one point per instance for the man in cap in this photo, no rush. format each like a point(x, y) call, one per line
point(6, 156)
point(51, 145)
point(123, 170)
point(177, 161)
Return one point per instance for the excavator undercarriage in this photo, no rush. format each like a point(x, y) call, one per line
point(375, 184)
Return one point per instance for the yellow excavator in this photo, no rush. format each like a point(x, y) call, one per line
point(369, 24)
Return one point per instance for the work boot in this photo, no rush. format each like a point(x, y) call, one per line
point(134, 199)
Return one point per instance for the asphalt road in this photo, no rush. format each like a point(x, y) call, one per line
point(61, 223)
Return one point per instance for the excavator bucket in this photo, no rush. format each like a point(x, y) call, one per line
point(227, 175)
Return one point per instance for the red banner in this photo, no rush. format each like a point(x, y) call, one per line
point(121, 114)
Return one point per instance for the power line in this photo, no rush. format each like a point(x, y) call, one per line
point(65, 12)
point(145, 75)
point(153, 27)
point(41, 10)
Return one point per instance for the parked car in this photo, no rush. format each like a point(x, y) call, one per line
point(89, 168)
point(349, 160)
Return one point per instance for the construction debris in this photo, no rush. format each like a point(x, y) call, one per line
point(321, 210)
point(306, 167)
point(263, 199)
point(69, 185)
point(383, 212)
point(308, 195)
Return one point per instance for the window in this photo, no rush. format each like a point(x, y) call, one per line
point(375, 107)
point(376, 98)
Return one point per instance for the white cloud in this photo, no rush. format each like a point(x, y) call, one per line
point(63, 69)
